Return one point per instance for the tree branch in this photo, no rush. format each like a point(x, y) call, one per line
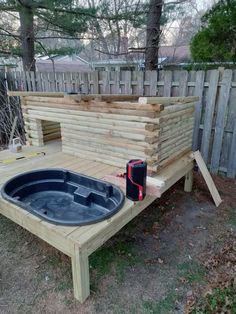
point(112, 54)
point(7, 8)
point(9, 34)
point(78, 11)
point(64, 37)
point(9, 53)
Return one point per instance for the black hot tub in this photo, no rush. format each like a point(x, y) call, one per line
point(63, 197)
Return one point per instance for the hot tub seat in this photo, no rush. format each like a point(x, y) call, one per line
point(63, 197)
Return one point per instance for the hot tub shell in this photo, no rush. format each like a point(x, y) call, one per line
point(63, 197)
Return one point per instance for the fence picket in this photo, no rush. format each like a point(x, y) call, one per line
point(127, 86)
point(140, 83)
point(209, 112)
point(153, 83)
point(183, 83)
point(29, 86)
point(32, 79)
point(231, 169)
point(167, 84)
point(199, 86)
point(220, 120)
point(95, 82)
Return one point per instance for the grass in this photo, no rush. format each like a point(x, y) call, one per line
point(164, 306)
point(64, 286)
point(232, 220)
point(192, 271)
point(220, 300)
point(116, 257)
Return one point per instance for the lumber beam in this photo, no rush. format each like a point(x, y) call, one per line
point(207, 177)
point(42, 94)
point(188, 182)
point(152, 187)
point(167, 100)
point(103, 97)
point(80, 274)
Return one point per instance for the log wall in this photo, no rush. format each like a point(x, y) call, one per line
point(112, 129)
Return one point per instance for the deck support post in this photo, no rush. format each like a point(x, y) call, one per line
point(80, 274)
point(188, 183)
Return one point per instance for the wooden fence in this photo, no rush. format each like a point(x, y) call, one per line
point(215, 116)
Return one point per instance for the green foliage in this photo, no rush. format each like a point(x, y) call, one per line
point(192, 272)
point(62, 51)
point(219, 300)
point(216, 41)
point(165, 306)
point(64, 17)
point(118, 257)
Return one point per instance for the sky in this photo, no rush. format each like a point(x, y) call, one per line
point(203, 4)
point(171, 28)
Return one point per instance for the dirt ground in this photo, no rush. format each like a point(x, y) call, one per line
point(165, 261)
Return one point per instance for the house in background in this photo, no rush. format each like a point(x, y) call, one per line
point(134, 61)
point(66, 63)
point(175, 54)
point(117, 65)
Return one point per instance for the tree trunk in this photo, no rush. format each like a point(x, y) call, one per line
point(153, 34)
point(27, 37)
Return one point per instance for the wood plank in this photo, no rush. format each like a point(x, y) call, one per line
point(95, 83)
point(76, 137)
point(42, 94)
point(198, 91)
point(209, 112)
point(220, 120)
point(175, 108)
point(93, 109)
point(127, 86)
point(102, 97)
point(152, 185)
point(207, 177)
point(140, 83)
point(27, 75)
point(167, 100)
point(183, 83)
point(64, 116)
point(106, 147)
point(167, 84)
point(188, 182)
point(80, 274)
point(100, 103)
point(231, 171)
point(32, 77)
point(175, 171)
point(153, 83)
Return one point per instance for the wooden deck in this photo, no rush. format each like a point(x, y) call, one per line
point(80, 242)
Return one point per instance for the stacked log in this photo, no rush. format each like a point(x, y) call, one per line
point(104, 128)
point(51, 130)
